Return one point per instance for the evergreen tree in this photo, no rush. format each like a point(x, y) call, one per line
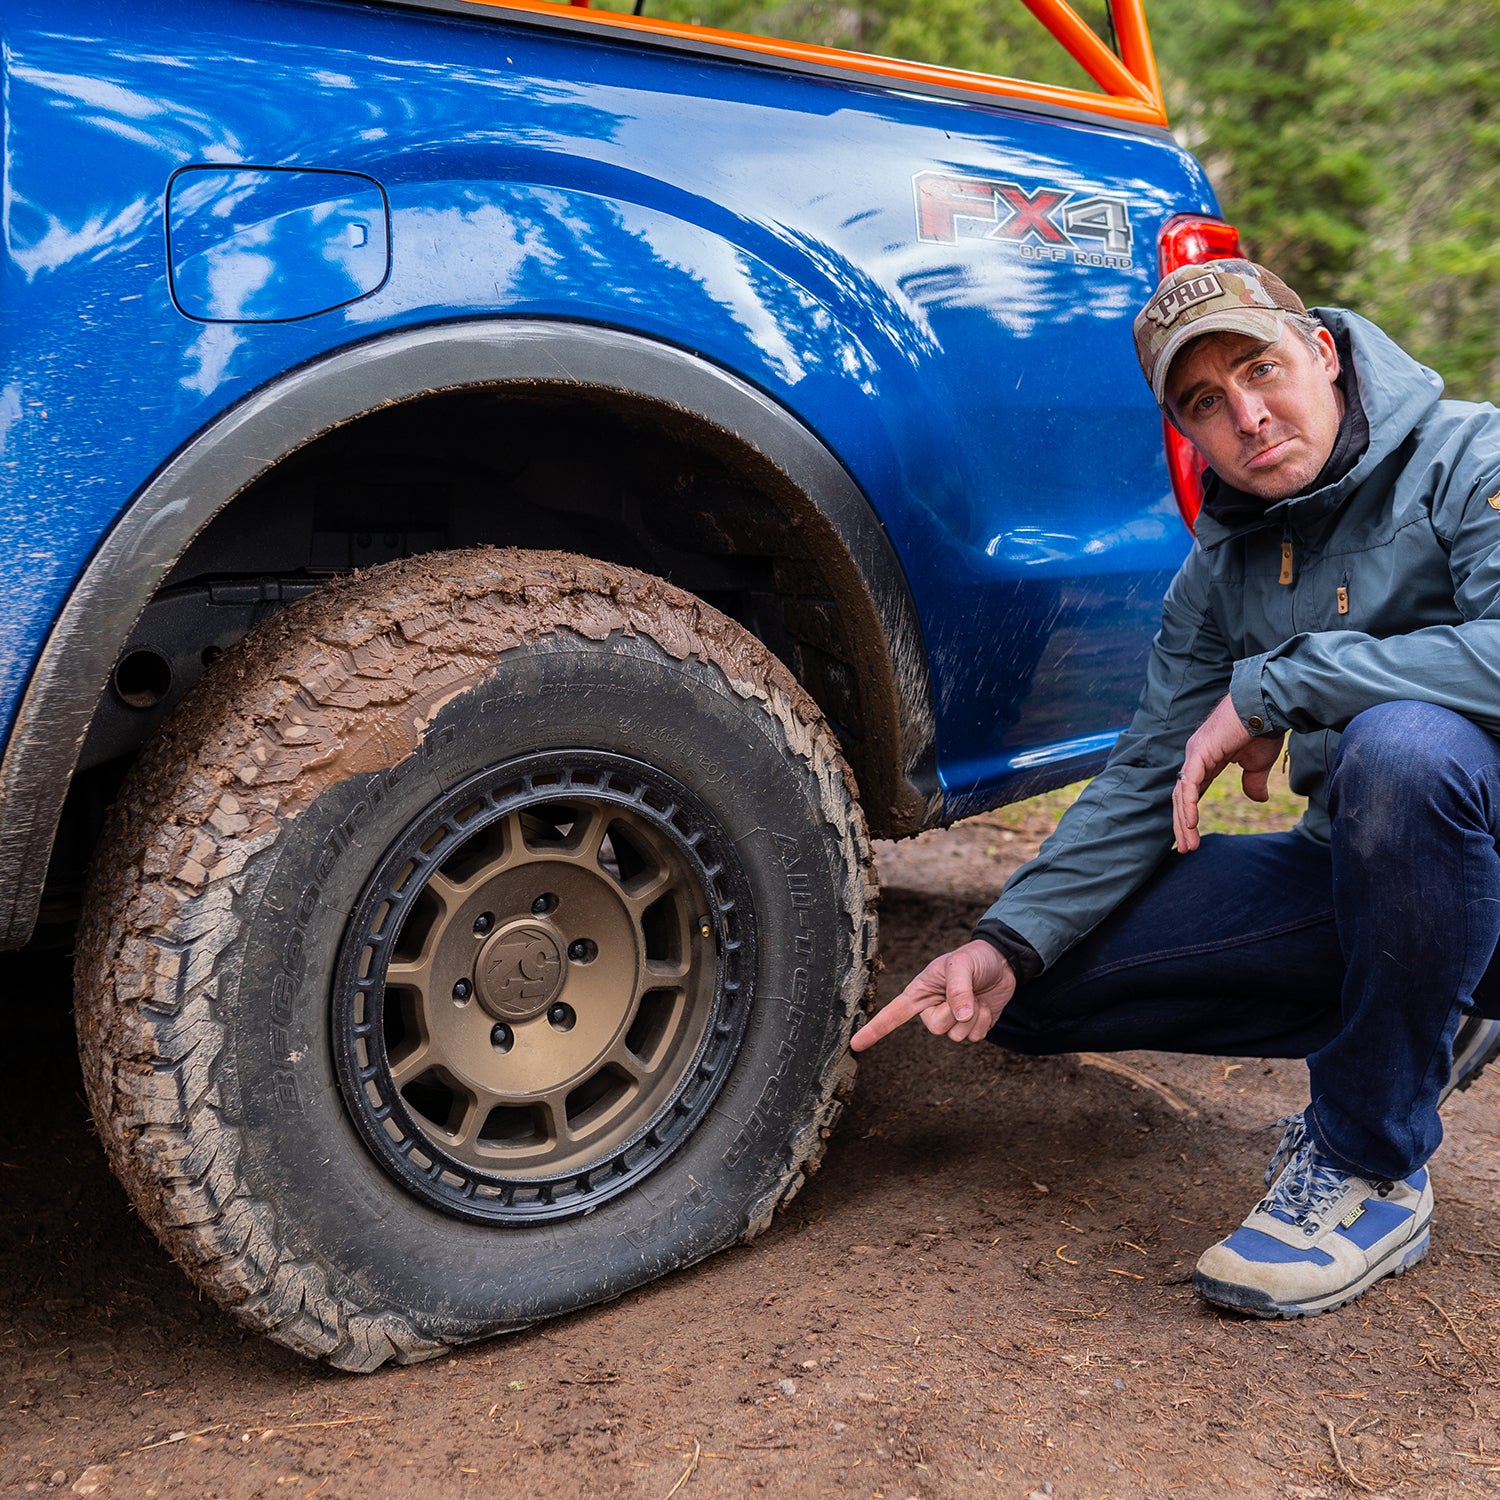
point(1265, 92)
point(1429, 271)
point(1357, 147)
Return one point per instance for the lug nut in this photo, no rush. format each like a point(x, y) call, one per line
point(502, 1038)
point(583, 950)
point(543, 904)
point(561, 1016)
point(462, 990)
point(483, 922)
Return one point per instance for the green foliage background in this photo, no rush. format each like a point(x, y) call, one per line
point(1355, 143)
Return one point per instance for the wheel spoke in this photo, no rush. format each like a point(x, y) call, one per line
point(412, 1065)
point(449, 894)
point(514, 836)
point(412, 973)
point(636, 1068)
point(646, 887)
point(476, 1112)
point(587, 834)
point(415, 972)
point(504, 844)
point(554, 1111)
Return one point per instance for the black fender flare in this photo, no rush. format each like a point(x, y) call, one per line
point(243, 443)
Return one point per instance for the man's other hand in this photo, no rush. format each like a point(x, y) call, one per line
point(958, 995)
point(1221, 740)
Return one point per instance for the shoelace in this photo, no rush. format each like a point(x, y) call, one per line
point(1293, 1130)
point(1304, 1186)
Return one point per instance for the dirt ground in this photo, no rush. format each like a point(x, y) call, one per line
point(983, 1293)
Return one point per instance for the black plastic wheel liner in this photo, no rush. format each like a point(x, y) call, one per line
point(72, 670)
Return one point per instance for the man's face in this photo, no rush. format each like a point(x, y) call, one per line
point(1265, 417)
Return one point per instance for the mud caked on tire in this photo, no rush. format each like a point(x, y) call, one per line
point(481, 940)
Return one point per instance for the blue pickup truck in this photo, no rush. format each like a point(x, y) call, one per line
point(501, 501)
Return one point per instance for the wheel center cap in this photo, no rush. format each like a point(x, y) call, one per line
point(520, 971)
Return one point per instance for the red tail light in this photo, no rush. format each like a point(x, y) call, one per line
point(1188, 241)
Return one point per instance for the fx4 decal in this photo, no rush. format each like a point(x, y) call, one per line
point(1042, 223)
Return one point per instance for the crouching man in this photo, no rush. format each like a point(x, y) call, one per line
point(1344, 589)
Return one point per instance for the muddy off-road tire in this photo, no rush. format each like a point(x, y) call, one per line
point(481, 940)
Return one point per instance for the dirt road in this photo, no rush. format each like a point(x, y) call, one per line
point(983, 1293)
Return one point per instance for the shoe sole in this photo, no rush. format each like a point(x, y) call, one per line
point(1249, 1299)
point(1474, 1066)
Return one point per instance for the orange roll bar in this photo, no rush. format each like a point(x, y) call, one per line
point(1085, 48)
point(1135, 47)
point(1131, 88)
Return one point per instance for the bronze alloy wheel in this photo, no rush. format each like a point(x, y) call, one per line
point(540, 991)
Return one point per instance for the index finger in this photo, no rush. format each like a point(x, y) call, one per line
point(906, 1005)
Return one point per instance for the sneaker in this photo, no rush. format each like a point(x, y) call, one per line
point(1474, 1047)
point(1318, 1239)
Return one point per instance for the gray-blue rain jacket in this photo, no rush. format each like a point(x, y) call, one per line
point(1394, 594)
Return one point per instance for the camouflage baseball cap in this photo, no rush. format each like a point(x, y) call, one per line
point(1219, 296)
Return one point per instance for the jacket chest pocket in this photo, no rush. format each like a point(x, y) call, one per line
point(1290, 588)
point(1303, 590)
point(1399, 585)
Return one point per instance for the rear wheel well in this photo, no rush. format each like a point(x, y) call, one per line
point(625, 479)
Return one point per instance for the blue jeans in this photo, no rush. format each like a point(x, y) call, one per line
point(1362, 956)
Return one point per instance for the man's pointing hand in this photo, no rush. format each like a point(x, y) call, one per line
point(958, 995)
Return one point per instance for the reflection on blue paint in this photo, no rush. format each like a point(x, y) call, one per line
point(1088, 746)
point(1110, 541)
